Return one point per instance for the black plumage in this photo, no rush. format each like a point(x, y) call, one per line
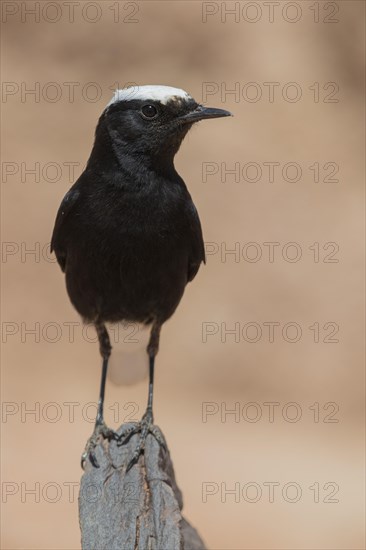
point(127, 234)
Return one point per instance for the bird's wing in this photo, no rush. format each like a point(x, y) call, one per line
point(197, 253)
point(58, 244)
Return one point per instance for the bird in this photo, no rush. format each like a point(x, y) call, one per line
point(127, 234)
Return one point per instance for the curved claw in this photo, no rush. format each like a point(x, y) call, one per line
point(145, 427)
point(100, 430)
point(83, 460)
point(92, 458)
point(125, 436)
point(132, 462)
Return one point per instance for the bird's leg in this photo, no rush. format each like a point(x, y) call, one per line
point(146, 425)
point(100, 427)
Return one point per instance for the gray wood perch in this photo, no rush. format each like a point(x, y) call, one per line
point(137, 510)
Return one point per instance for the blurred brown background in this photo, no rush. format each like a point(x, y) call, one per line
point(304, 387)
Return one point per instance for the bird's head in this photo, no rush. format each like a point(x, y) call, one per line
point(151, 121)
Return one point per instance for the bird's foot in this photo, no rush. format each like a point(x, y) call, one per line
point(144, 427)
point(101, 431)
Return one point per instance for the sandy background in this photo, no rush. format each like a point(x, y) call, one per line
point(298, 395)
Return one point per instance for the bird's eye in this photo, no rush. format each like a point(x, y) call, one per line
point(149, 111)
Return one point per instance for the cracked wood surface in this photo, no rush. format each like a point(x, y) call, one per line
point(137, 510)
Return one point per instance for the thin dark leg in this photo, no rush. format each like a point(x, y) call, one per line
point(152, 350)
point(151, 383)
point(147, 422)
point(100, 417)
point(153, 345)
point(105, 351)
point(100, 428)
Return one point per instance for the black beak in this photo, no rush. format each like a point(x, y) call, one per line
point(201, 113)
